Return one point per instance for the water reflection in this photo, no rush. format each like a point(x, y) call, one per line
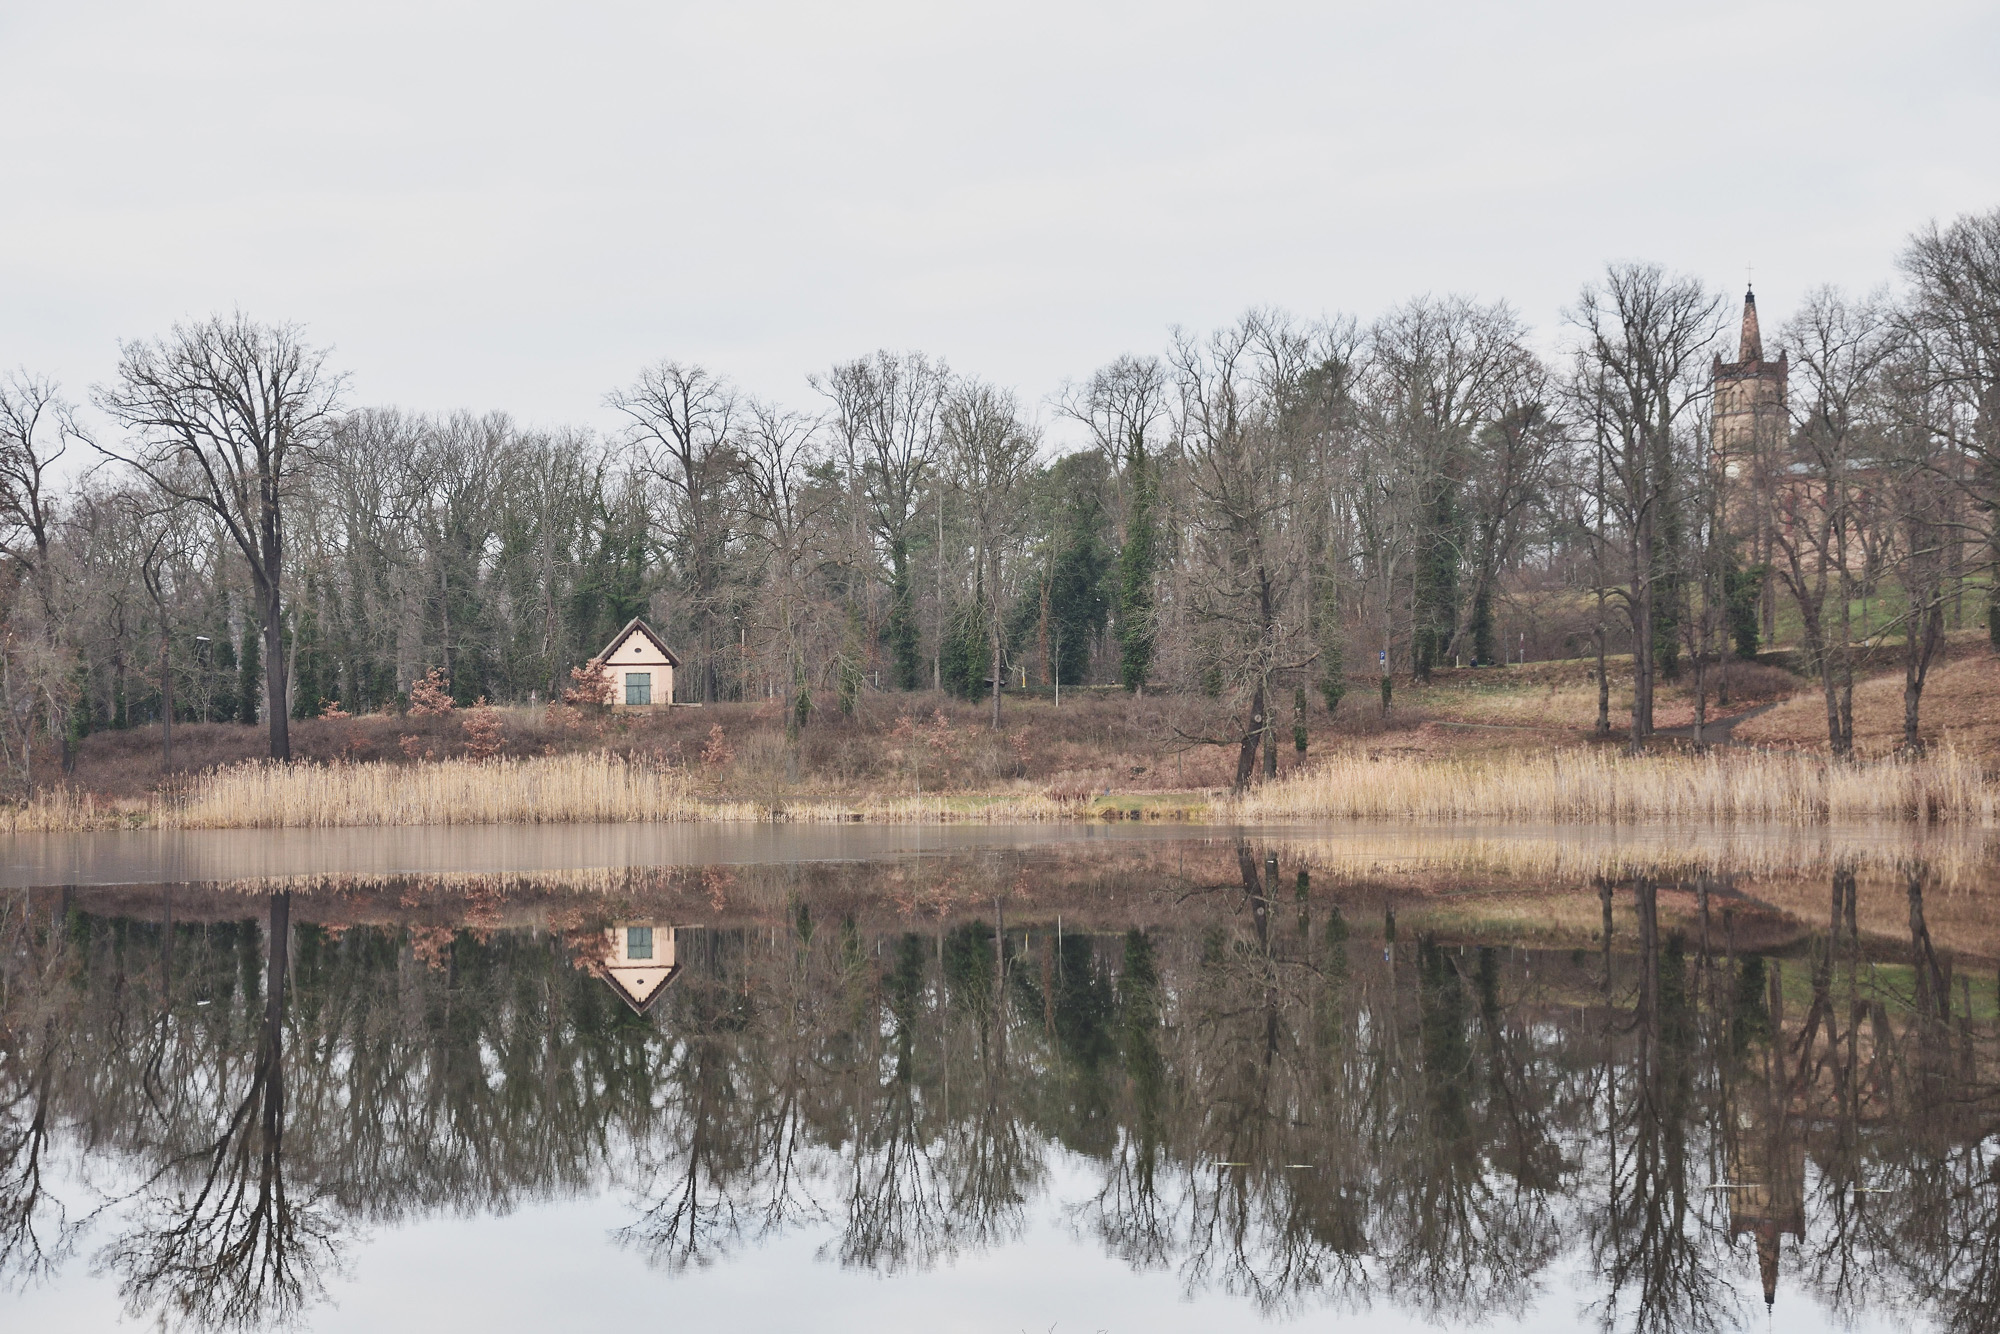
point(1307, 1095)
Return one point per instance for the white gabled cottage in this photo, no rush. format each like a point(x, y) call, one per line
point(640, 666)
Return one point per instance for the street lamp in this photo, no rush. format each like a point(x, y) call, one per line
point(207, 685)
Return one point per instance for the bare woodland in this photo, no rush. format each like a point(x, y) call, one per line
point(1258, 513)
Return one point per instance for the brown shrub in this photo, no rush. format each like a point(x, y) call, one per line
point(589, 688)
point(431, 697)
point(717, 751)
point(484, 735)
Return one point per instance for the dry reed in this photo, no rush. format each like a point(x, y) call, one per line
point(1598, 786)
point(551, 789)
point(1557, 787)
point(554, 789)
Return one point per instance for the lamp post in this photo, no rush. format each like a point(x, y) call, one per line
point(207, 683)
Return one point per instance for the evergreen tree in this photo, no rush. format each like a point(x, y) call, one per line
point(224, 672)
point(1332, 642)
point(1741, 590)
point(906, 662)
point(965, 659)
point(1436, 596)
point(1136, 563)
point(1078, 600)
point(249, 675)
point(1484, 650)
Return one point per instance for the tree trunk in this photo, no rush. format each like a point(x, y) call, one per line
point(276, 716)
point(1603, 680)
point(1642, 634)
point(1700, 690)
point(994, 634)
point(1270, 747)
point(1918, 647)
point(267, 577)
point(1246, 758)
point(166, 703)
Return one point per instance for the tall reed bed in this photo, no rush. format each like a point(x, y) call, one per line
point(551, 789)
point(555, 789)
point(1598, 786)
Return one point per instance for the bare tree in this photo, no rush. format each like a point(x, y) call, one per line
point(1642, 335)
point(1435, 374)
point(1507, 478)
point(683, 421)
point(164, 569)
point(1250, 510)
point(989, 454)
point(35, 430)
point(888, 406)
point(223, 413)
point(784, 508)
point(1841, 348)
point(1954, 317)
point(1923, 527)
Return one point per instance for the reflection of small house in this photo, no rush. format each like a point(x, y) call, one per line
point(638, 962)
point(640, 667)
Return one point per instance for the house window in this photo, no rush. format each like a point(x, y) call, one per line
point(638, 942)
point(638, 687)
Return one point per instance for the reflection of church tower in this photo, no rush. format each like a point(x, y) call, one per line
point(1768, 1176)
point(1750, 431)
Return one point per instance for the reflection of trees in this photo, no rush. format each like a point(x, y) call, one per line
point(1657, 1249)
point(218, 1242)
point(1460, 1236)
point(34, 1231)
point(1268, 1105)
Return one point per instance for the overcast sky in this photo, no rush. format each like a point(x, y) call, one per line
point(511, 206)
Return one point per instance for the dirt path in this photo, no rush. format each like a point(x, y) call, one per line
point(1717, 729)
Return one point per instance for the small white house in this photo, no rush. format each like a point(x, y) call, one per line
point(638, 962)
point(641, 668)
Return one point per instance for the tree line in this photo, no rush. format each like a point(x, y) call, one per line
point(1259, 512)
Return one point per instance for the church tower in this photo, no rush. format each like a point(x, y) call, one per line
point(1751, 427)
point(1749, 402)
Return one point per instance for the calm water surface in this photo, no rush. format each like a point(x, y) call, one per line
point(1002, 1080)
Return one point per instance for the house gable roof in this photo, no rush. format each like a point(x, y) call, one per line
point(637, 625)
point(638, 985)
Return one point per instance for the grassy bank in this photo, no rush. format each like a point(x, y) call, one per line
point(1570, 786)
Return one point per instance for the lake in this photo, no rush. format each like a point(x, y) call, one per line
point(1120, 1077)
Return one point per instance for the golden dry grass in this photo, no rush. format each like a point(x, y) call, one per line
point(1598, 786)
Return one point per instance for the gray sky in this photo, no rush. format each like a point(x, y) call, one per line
point(513, 206)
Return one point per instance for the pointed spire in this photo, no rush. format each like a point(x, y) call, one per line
point(1768, 1238)
point(1753, 343)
